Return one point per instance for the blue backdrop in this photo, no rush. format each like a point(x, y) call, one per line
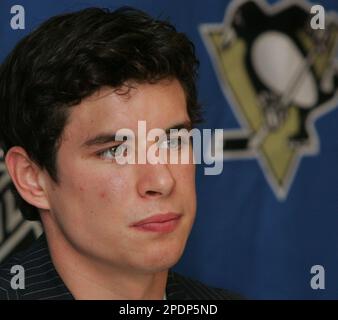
point(270, 81)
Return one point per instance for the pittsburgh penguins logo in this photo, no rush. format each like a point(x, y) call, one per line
point(279, 76)
point(15, 232)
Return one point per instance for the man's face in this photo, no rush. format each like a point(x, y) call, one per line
point(98, 201)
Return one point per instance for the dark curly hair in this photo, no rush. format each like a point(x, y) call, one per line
point(71, 56)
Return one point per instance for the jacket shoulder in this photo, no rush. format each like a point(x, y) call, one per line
point(196, 290)
point(6, 290)
point(24, 259)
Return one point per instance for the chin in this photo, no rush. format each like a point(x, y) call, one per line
point(159, 267)
point(162, 259)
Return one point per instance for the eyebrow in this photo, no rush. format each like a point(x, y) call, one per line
point(104, 138)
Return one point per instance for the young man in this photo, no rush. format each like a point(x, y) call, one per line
point(111, 231)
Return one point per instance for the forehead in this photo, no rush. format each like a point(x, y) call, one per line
point(161, 105)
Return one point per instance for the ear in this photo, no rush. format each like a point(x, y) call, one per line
point(27, 177)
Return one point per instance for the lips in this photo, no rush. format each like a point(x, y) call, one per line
point(166, 222)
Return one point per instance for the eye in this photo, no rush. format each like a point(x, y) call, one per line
point(113, 152)
point(172, 143)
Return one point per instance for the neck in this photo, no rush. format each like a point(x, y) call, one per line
point(87, 277)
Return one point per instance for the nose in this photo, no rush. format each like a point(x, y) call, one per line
point(155, 180)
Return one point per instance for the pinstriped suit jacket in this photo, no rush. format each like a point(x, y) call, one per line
point(42, 281)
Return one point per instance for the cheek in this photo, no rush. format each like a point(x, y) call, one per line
point(94, 202)
point(103, 188)
point(90, 180)
point(185, 180)
point(187, 172)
